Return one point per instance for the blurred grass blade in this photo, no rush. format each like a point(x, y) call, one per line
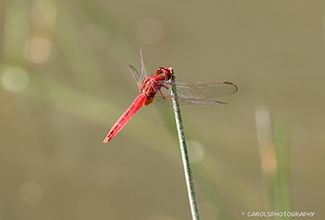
point(267, 153)
point(115, 41)
point(16, 28)
point(282, 178)
point(82, 62)
point(275, 160)
point(208, 189)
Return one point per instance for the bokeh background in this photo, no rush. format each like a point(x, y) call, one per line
point(65, 81)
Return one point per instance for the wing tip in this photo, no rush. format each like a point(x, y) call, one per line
point(230, 83)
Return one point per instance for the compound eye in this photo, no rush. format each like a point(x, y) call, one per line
point(167, 76)
point(167, 73)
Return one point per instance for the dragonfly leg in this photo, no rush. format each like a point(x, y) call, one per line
point(167, 85)
point(164, 97)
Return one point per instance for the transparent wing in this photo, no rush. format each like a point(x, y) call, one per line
point(195, 93)
point(138, 79)
point(143, 72)
point(204, 89)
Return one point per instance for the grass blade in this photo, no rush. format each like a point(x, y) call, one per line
point(282, 178)
point(184, 153)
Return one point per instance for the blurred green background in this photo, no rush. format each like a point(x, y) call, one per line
point(65, 81)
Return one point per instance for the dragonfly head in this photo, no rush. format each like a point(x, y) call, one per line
point(164, 72)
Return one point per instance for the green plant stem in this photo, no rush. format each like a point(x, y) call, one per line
point(282, 176)
point(184, 153)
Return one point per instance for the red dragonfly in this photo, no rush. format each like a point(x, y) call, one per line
point(193, 93)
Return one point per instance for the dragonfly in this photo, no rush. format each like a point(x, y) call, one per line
point(188, 93)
